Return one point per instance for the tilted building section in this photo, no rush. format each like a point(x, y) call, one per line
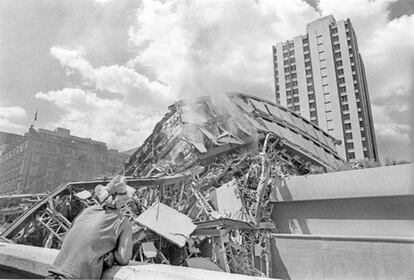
point(193, 132)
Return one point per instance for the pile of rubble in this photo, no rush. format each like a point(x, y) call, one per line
point(12, 206)
point(205, 182)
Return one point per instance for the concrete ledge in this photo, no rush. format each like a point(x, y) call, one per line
point(167, 272)
point(37, 260)
point(371, 182)
point(34, 260)
point(345, 238)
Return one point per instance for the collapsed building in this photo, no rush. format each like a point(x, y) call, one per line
point(205, 181)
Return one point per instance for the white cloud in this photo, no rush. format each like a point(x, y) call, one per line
point(386, 127)
point(103, 1)
point(114, 78)
point(8, 116)
point(108, 120)
point(390, 58)
point(12, 112)
point(209, 47)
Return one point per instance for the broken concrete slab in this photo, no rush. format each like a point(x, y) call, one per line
point(167, 222)
point(227, 201)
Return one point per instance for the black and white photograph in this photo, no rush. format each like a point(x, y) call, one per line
point(206, 139)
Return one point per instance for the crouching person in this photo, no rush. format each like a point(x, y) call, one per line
point(100, 236)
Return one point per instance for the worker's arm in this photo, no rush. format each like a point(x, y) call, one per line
point(123, 253)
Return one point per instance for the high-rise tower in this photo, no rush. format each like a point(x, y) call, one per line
point(321, 76)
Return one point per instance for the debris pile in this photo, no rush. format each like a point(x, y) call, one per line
point(11, 206)
point(205, 181)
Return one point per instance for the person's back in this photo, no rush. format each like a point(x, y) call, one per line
point(93, 235)
point(98, 232)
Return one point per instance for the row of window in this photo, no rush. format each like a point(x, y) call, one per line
point(289, 53)
point(292, 92)
point(290, 76)
point(291, 84)
point(291, 100)
point(287, 46)
point(290, 68)
point(351, 155)
point(290, 61)
point(295, 108)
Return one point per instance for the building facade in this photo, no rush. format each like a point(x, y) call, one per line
point(8, 141)
point(44, 159)
point(321, 76)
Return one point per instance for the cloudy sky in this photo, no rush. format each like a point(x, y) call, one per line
point(109, 69)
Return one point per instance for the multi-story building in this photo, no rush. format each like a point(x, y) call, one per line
point(43, 159)
point(321, 76)
point(8, 141)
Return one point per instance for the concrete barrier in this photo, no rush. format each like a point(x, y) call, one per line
point(33, 262)
point(355, 224)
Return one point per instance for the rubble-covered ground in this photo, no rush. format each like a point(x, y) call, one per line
point(205, 183)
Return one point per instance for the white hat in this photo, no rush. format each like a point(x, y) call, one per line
point(116, 193)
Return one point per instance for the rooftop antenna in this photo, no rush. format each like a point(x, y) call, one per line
point(34, 120)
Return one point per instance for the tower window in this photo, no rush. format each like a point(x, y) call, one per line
point(349, 146)
point(348, 135)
